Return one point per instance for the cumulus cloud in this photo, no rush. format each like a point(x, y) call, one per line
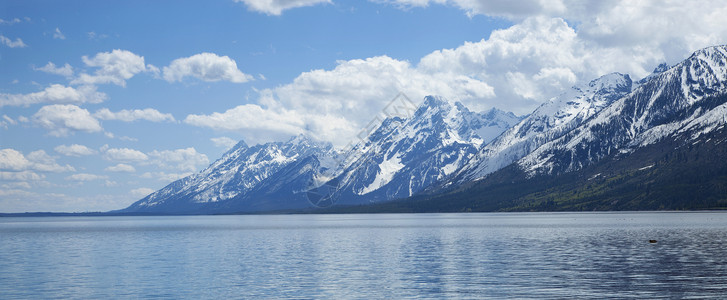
point(86, 177)
point(187, 159)
point(334, 104)
point(114, 67)
point(22, 176)
point(552, 46)
point(276, 7)
point(51, 68)
point(121, 168)
point(141, 192)
point(15, 185)
point(206, 67)
point(223, 142)
point(74, 150)
point(55, 93)
point(14, 160)
point(18, 43)
point(61, 120)
point(148, 114)
point(57, 34)
point(41, 161)
point(643, 31)
point(164, 176)
point(11, 159)
point(253, 119)
point(525, 64)
point(124, 155)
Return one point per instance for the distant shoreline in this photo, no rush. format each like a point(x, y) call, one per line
point(325, 212)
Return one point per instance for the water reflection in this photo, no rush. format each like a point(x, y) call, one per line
point(367, 256)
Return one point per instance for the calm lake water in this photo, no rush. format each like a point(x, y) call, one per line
point(519, 255)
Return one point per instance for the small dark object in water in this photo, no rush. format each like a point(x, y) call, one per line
point(652, 241)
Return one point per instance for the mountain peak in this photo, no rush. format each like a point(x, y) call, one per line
point(611, 82)
point(494, 113)
point(304, 144)
point(552, 119)
point(240, 145)
point(433, 102)
point(661, 68)
point(681, 104)
point(712, 53)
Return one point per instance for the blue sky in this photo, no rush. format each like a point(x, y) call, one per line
point(102, 102)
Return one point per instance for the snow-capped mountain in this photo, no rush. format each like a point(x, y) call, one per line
point(404, 156)
point(287, 188)
point(238, 172)
point(610, 125)
point(662, 146)
point(549, 121)
point(398, 159)
point(682, 103)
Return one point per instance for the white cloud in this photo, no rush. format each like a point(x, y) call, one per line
point(121, 168)
point(334, 104)
point(148, 114)
point(525, 64)
point(254, 119)
point(206, 67)
point(164, 176)
point(18, 43)
point(515, 69)
point(22, 176)
point(512, 9)
point(187, 159)
point(125, 155)
point(29, 201)
point(15, 185)
point(6, 121)
point(141, 192)
point(14, 160)
point(57, 34)
point(55, 93)
point(276, 7)
point(128, 139)
point(11, 159)
point(9, 120)
point(51, 68)
point(41, 161)
point(645, 32)
point(86, 177)
point(223, 142)
point(114, 67)
point(10, 22)
point(95, 36)
point(74, 150)
point(60, 120)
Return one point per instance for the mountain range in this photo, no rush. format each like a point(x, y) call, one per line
point(613, 143)
point(398, 159)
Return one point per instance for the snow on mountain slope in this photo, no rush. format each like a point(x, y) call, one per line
point(684, 101)
point(551, 120)
point(237, 172)
point(404, 156)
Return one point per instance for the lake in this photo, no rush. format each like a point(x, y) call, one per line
point(497, 255)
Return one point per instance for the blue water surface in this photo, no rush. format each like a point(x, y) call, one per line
point(500, 255)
